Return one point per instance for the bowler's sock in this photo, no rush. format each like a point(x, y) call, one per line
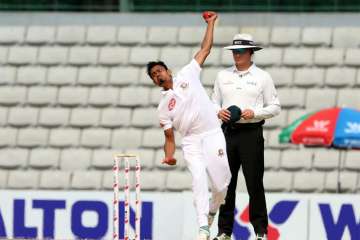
point(205, 229)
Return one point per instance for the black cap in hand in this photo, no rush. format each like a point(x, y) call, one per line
point(235, 113)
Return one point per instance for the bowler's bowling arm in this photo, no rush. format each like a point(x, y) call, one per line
point(169, 146)
point(206, 44)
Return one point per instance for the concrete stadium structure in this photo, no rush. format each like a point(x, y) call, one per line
point(73, 90)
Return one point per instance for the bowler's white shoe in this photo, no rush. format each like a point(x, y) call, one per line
point(204, 234)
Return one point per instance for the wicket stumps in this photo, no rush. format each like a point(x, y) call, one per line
point(126, 158)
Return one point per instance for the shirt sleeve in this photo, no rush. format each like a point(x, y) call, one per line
point(192, 70)
point(165, 121)
point(271, 101)
point(216, 95)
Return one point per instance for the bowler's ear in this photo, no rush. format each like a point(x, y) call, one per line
point(169, 72)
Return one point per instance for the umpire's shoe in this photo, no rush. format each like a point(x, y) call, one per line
point(261, 236)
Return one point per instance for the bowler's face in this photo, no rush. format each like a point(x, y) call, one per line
point(161, 77)
point(242, 56)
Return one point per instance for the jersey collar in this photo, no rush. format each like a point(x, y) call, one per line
point(250, 70)
point(165, 92)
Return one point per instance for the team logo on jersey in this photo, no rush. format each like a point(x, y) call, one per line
point(221, 152)
point(171, 104)
point(184, 85)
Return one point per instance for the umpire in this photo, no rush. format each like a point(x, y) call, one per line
point(248, 91)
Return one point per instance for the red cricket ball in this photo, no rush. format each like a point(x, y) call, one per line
point(206, 15)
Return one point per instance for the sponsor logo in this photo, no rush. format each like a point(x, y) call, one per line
point(319, 126)
point(352, 142)
point(337, 224)
point(346, 220)
point(251, 83)
point(228, 83)
point(352, 127)
point(22, 228)
point(278, 216)
point(313, 140)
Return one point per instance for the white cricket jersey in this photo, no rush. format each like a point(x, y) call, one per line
point(187, 107)
point(251, 89)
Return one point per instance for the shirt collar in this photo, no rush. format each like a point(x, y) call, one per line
point(250, 70)
point(165, 92)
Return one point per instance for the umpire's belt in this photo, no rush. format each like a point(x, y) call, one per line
point(237, 126)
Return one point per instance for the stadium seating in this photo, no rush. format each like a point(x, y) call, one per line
point(70, 96)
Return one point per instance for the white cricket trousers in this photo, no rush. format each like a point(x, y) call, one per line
point(206, 158)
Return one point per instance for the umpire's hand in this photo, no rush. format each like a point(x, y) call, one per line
point(224, 115)
point(248, 114)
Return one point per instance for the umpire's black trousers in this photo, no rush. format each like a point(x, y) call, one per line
point(245, 147)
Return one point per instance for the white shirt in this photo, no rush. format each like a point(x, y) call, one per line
point(252, 89)
point(187, 107)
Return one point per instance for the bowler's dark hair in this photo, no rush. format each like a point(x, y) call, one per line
point(152, 64)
